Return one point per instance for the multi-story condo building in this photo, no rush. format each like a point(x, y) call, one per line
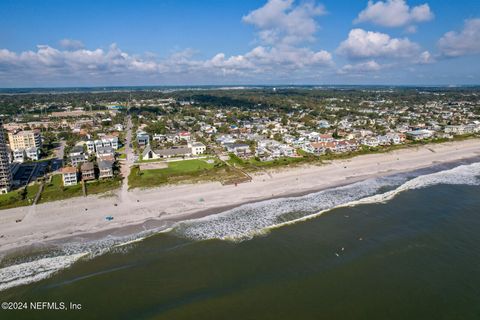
point(5, 170)
point(21, 140)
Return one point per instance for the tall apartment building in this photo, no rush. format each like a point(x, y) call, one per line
point(21, 140)
point(5, 170)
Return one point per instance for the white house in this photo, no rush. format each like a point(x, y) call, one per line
point(198, 148)
point(69, 175)
point(103, 152)
point(90, 146)
point(420, 134)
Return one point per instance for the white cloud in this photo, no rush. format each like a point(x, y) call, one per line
point(362, 67)
point(269, 60)
point(394, 13)
point(425, 58)
point(48, 63)
point(465, 42)
point(362, 44)
point(51, 61)
point(282, 21)
point(71, 44)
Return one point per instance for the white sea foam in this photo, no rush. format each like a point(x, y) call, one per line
point(42, 267)
point(258, 218)
point(37, 270)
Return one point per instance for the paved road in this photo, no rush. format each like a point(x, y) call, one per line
point(57, 163)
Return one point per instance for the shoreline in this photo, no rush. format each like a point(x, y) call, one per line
point(83, 219)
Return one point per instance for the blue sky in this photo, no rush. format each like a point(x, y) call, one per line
point(84, 43)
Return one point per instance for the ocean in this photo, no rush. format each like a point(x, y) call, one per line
point(399, 247)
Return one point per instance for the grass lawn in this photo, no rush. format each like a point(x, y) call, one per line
point(177, 171)
point(19, 198)
point(253, 164)
point(122, 156)
point(56, 191)
point(101, 186)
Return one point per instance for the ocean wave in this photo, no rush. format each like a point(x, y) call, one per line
point(33, 271)
point(249, 220)
point(33, 268)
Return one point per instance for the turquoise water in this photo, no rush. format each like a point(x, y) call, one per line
point(416, 255)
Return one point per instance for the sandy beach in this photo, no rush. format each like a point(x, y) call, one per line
point(80, 216)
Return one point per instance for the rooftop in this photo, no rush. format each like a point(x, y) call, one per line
point(69, 170)
point(87, 166)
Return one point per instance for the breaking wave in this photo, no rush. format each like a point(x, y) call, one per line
point(28, 272)
point(25, 270)
point(249, 220)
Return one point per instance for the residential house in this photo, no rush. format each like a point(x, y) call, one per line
point(461, 129)
point(239, 149)
point(225, 139)
point(371, 142)
point(143, 138)
point(104, 152)
point(185, 136)
point(110, 141)
point(69, 175)
point(20, 155)
point(198, 148)
point(105, 168)
point(88, 171)
point(76, 151)
point(90, 146)
point(419, 134)
point(79, 159)
point(98, 144)
point(178, 151)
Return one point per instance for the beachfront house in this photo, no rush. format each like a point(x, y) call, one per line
point(176, 151)
point(461, 129)
point(88, 171)
point(419, 134)
point(239, 149)
point(105, 168)
point(69, 176)
point(371, 142)
point(197, 148)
